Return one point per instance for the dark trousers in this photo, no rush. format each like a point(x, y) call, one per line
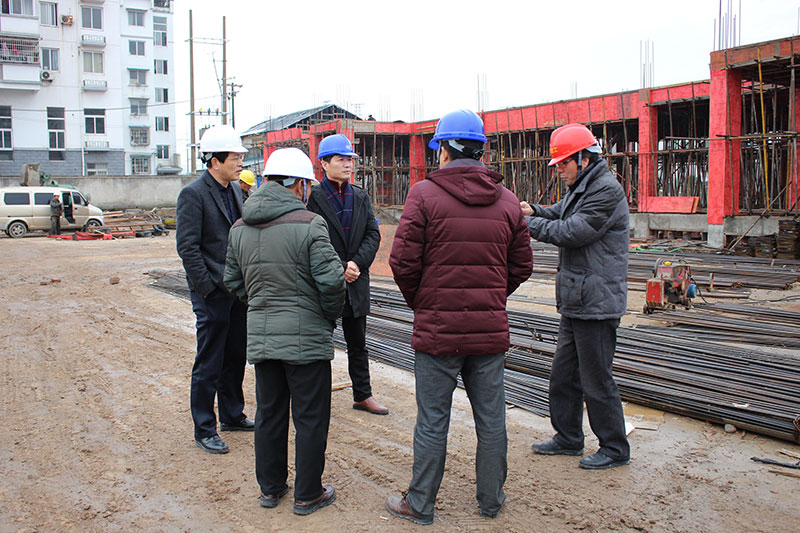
point(55, 225)
point(219, 365)
point(355, 335)
point(582, 371)
point(436, 379)
point(309, 389)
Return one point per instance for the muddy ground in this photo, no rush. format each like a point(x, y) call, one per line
point(97, 434)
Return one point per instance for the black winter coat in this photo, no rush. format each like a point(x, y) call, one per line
point(365, 238)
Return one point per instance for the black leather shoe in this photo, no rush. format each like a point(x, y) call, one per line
point(212, 444)
point(271, 500)
point(551, 447)
point(245, 424)
point(600, 460)
point(327, 497)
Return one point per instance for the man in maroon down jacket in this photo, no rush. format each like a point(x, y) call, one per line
point(461, 248)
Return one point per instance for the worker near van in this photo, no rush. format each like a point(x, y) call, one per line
point(295, 293)
point(207, 208)
point(460, 250)
point(590, 227)
point(56, 210)
point(247, 181)
point(355, 236)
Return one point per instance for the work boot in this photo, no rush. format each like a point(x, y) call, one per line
point(551, 447)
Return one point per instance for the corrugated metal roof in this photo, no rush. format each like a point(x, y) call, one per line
point(287, 121)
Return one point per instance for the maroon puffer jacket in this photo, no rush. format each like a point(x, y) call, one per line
point(461, 248)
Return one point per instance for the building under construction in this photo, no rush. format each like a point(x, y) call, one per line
point(714, 158)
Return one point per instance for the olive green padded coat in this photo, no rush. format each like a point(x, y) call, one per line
point(281, 263)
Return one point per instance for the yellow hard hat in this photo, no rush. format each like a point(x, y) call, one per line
point(247, 177)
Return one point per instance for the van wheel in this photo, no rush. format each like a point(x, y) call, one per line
point(91, 223)
point(17, 229)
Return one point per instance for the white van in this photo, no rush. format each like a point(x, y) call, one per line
point(24, 209)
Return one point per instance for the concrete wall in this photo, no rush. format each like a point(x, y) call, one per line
point(122, 192)
point(72, 165)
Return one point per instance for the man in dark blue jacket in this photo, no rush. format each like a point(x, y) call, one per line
point(207, 208)
point(590, 227)
point(355, 237)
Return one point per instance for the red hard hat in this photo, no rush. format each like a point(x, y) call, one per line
point(568, 140)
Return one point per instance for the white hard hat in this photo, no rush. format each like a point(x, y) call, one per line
point(290, 162)
point(221, 139)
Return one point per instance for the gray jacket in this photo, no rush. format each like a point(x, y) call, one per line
point(590, 227)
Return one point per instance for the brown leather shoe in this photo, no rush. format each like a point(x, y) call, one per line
point(371, 405)
point(400, 508)
point(327, 497)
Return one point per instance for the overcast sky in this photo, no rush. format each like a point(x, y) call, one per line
point(410, 60)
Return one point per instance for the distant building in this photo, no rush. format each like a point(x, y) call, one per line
point(87, 87)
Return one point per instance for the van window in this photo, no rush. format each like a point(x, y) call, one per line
point(77, 199)
point(42, 198)
point(17, 198)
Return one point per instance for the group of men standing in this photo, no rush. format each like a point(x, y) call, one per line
point(271, 277)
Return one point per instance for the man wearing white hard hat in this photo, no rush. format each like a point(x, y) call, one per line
point(207, 208)
point(282, 264)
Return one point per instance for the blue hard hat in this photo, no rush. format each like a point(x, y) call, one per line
point(335, 144)
point(461, 124)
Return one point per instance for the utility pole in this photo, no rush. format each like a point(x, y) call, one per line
point(224, 75)
point(192, 140)
point(233, 94)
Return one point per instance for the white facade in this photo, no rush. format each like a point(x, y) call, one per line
point(87, 87)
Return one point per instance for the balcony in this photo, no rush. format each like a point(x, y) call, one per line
point(19, 50)
point(97, 146)
point(19, 24)
point(93, 39)
point(162, 5)
point(95, 85)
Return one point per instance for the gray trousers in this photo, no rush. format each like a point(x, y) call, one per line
point(582, 371)
point(435, 382)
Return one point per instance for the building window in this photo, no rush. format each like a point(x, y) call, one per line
point(140, 164)
point(139, 106)
point(138, 77)
point(18, 7)
point(160, 31)
point(135, 18)
point(162, 151)
point(95, 120)
point(50, 58)
point(136, 48)
point(5, 133)
point(48, 13)
point(19, 49)
point(93, 62)
point(97, 169)
point(92, 17)
point(162, 123)
point(162, 95)
point(55, 131)
point(160, 66)
point(140, 136)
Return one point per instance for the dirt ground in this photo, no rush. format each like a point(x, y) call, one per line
point(97, 434)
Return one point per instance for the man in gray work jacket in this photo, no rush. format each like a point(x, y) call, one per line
point(590, 227)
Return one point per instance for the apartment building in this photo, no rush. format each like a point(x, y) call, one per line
point(87, 87)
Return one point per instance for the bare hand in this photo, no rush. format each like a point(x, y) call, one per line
point(527, 210)
point(351, 272)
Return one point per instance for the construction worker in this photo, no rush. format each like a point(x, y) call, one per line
point(247, 180)
point(460, 249)
point(590, 227)
point(295, 293)
point(56, 210)
point(355, 236)
point(207, 208)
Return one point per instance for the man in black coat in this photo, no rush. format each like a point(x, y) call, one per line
point(355, 237)
point(207, 208)
point(56, 210)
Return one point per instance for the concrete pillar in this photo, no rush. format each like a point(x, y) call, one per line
point(724, 154)
point(648, 145)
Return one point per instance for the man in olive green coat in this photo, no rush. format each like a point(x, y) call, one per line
point(282, 264)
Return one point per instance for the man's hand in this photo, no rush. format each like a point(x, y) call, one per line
point(351, 272)
point(527, 210)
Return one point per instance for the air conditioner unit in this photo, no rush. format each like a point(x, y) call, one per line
point(46, 75)
point(66, 20)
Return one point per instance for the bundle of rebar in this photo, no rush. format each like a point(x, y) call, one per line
point(788, 239)
point(753, 390)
